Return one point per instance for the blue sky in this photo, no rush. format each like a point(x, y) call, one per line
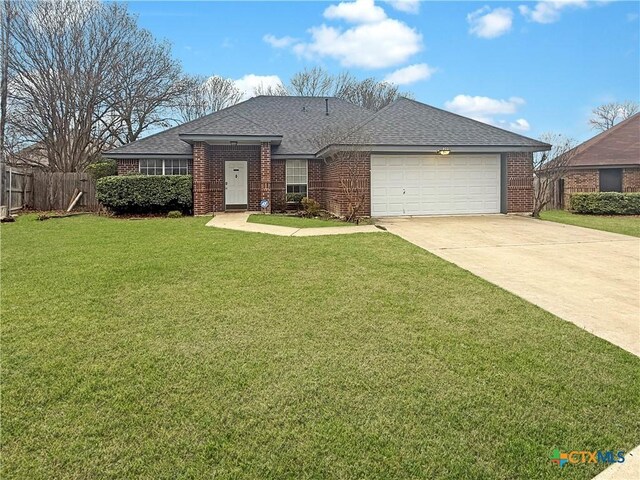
point(527, 66)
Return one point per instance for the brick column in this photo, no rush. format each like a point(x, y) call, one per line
point(265, 173)
point(519, 182)
point(201, 191)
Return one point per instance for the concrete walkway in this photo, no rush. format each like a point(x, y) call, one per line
point(585, 276)
point(238, 221)
point(628, 470)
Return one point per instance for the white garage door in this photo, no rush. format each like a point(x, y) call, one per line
point(434, 184)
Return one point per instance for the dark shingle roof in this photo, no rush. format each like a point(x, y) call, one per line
point(298, 119)
point(618, 146)
point(302, 120)
point(407, 122)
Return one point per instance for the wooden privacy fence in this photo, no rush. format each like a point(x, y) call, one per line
point(54, 191)
point(17, 185)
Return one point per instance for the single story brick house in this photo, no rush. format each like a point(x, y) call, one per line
point(417, 159)
point(608, 162)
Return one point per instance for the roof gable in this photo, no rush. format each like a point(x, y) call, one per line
point(617, 146)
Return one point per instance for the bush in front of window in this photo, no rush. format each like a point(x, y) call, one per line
point(146, 193)
point(295, 198)
point(103, 168)
point(311, 207)
point(606, 203)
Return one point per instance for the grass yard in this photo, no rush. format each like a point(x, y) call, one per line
point(162, 349)
point(295, 222)
point(625, 224)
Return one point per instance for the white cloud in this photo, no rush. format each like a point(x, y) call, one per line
point(468, 105)
point(410, 74)
point(373, 45)
point(549, 11)
point(250, 82)
point(375, 41)
point(360, 11)
point(487, 23)
point(276, 42)
point(407, 6)
point(520, 125)
point(486, 109)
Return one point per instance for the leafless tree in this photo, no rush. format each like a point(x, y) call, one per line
point(549, 167)
point(368, 93)
point(7, 14)
point(84, 77)
point(606, 116)
point(315, 82)
point(202, 96)
point(148, 82)
point(348, 152)
point(271, 90)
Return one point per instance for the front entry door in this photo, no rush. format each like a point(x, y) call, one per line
point(235, 178)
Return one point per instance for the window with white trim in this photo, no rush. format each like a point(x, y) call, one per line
point(297, 177)
point(167, 166)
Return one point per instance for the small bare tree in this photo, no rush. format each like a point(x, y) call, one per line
point(549, 167)
point(368, 93)
point(202, 96)
point(606, 116)
point(278, 90)
point(315, 82)
point(348, 153)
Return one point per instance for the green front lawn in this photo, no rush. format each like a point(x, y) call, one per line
point(625, 224)
point(163, 349)
point(295, 222)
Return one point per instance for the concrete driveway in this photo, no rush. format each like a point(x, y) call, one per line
point(588, 277)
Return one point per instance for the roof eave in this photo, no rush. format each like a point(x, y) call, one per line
point(190, 138)
point(328, 150)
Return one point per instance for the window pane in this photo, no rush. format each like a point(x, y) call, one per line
point(150, 167)
point(175, 166)
point(297, 172)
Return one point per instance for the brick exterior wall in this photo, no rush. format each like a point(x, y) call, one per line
point(333, 197)
point(126, 166)
point(278, 185)
point(201, 180)
point(631, 180)
point(519, 182)
point(265, 174)
point(580, 181)
point(588, 181)
point(315, 184)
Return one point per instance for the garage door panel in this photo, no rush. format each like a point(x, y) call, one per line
point(433, 184)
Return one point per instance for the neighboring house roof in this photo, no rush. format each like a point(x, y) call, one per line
point(297, 123)
point(617, 146)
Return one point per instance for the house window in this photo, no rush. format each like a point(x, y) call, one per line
point(297, 176)
point(170, 166)
point(611, 180)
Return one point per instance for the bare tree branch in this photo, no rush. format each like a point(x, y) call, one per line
point(606, 116)
point(351, 164)
point(549, 167)
point(201, 96)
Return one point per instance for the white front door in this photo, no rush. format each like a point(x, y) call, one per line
point(434, 184)
point(235, 178)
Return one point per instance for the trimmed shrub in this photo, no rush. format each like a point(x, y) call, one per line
point(606, 203)
point(145, 193)
point(295, 198)
point(174, 214)
point(103, 168)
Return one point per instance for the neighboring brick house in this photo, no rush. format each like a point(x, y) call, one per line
point(416, 159)
point(608, 162)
